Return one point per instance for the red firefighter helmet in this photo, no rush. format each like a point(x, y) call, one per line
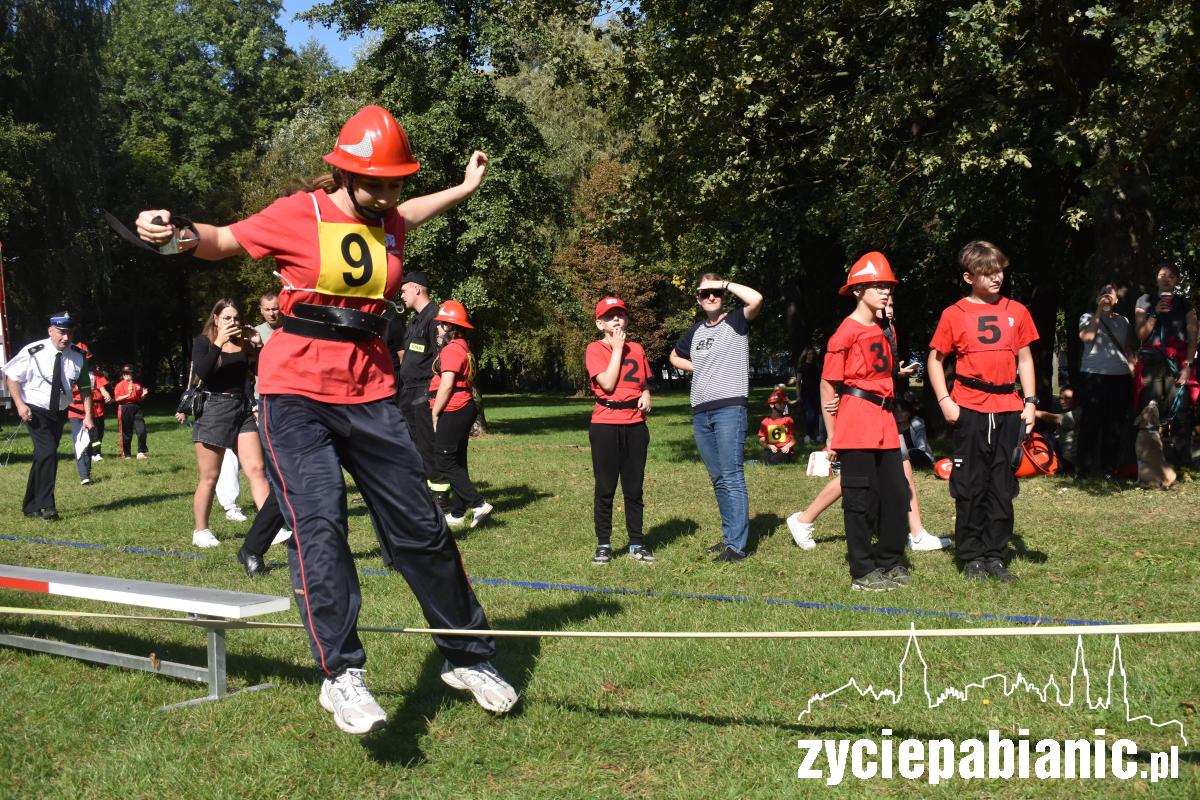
point(776, 396)
point(373, 143)
point(871, 268)
point(943, 467)
point(453, 313)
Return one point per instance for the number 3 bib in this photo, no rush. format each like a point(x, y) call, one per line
point(353, 258)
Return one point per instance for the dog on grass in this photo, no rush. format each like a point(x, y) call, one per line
point(1153, 470)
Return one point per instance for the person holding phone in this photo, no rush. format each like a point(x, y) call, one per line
point(224, 358)
point(1106, 380)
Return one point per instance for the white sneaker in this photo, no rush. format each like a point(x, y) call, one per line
point(452, 520)
point(235, 514)
point(802, 532)
point(281, 537)
point(491, 691)
point(350, 701)
point(479, 514)
point(926, 541)
point(97, 457)
point(85, 482)
point(142, 456)
point(204, 538)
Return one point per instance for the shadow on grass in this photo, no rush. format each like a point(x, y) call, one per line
point(664, 533)
point(400, 741)
point(1022, 552)
point(568, 418)
point(762, 526)
point(128, 502)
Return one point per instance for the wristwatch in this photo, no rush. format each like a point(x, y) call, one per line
point(1033, 398)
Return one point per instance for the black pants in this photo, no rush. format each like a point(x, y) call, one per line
point(618, 451)
point(97, 435)
point(45, 429)
point(778, 457)
point(420, 425)
point(308, 443)
point(875, 501)
point(1105, 405)
point(129, 421)
point(983, 484)
point(450, 450)
point(1158, 383)
point(267, 523)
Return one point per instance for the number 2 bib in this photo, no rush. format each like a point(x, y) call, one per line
point(353, 258)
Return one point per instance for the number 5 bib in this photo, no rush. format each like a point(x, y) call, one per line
point(353, 258)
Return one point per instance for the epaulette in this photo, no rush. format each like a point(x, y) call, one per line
point(35, 349)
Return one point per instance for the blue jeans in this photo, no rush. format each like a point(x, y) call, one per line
point(721, 439)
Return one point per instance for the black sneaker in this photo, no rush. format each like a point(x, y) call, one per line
point(899, 575)
point(873, 581)
point(976, 570)
point(640, 552)
point(995, 567)
point(713, 549)
point(603, 555)
point(729, 554)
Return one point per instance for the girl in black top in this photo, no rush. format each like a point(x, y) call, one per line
point(223, 359)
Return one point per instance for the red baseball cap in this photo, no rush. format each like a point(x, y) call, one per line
point(608, 304)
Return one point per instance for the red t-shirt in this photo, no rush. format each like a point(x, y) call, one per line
point(134, 390)
point(780, 432)
point(985, 338)
point(333, 260)
point(631, 382)
point(861, 356)
point(75, 409)
point(454, 357)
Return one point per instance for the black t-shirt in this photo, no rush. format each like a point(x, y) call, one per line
point(222, 372)
point(420, 348)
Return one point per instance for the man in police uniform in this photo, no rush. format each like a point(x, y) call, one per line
point(416, 369)
point(39, 378)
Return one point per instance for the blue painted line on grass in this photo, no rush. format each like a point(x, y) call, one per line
point(1019, 619)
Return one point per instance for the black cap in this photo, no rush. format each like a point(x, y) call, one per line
point(419, 278)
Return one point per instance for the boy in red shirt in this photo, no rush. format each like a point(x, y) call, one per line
point(777, 433)
point(129, 395)
point(618, 433)
point(858, 366)
point(989, 335)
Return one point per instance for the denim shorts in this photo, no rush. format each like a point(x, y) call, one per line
point(225, 417)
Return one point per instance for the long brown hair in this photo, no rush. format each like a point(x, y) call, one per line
point(210, 325)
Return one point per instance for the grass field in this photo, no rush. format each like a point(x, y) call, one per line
point(599, 718)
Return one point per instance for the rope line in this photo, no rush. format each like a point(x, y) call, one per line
point(1132, 629)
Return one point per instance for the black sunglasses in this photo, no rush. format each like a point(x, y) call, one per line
point(705, 294)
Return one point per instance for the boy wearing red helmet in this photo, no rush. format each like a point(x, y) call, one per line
point(129, 395)
point(618, 433)
point(777, 432)
point(326, 383)
point(858, 366)
point(990, 336)
point(452, 405)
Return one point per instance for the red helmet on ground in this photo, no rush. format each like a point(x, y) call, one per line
point(453, 313)
point(943, 467)
point(871, 268)
point(373, 143)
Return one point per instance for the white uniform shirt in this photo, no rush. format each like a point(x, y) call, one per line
point(33, 367)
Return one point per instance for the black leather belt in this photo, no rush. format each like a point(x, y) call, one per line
point(619, 404)
point(984, 386)
point(334, 323)
point(886, 403)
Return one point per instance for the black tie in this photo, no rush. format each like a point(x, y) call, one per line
point(56, 380)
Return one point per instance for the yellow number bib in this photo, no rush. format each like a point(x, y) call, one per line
point(353, 260)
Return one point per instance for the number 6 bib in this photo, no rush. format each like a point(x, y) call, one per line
point(353, 259)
